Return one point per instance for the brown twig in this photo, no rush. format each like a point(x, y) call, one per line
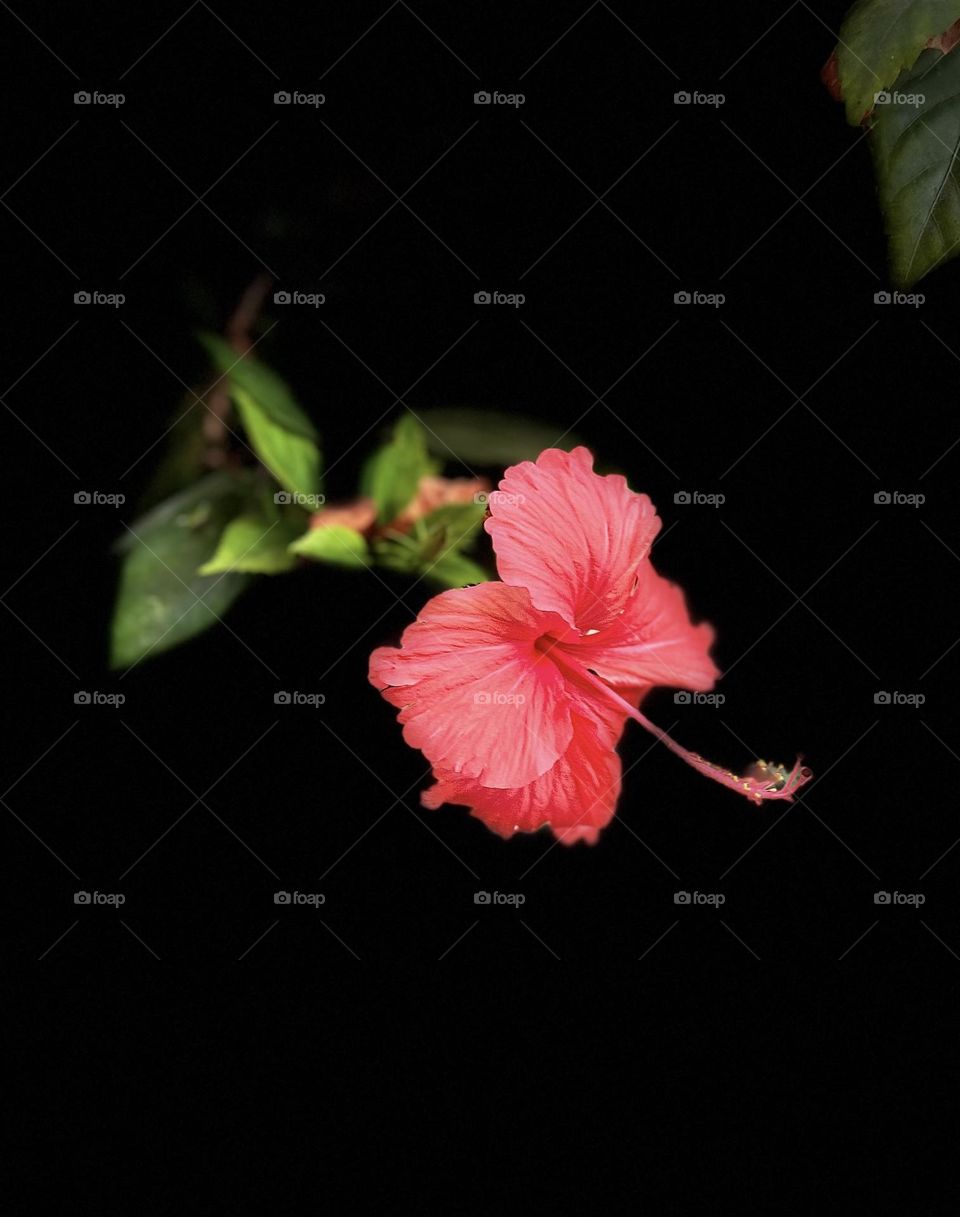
point(237, 333)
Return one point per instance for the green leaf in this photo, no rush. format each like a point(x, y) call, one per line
point(490, 437)
point(280, 433)
point(457, 523)
point(456, 570)
point(390, 477)
point(271, 393)
point(878, 39)
point(162, 600)
point(333, 543)
point(433, 547)
point(915, 149)
point(293, 460)
point(256, 543)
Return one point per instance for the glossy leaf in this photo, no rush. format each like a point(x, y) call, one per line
point(915, 150)
point(454, 569)
point(434, 546)
point(333, 543)
point(256, 543)
point(279, 431)
point(162, 600)
point(458, 523)
point(878, 39)
point(390, 477)
point(270, 391)
point(291, 458)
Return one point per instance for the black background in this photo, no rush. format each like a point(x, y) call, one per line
point(703, 399)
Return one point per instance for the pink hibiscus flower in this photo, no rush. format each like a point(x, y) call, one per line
point(517, 692)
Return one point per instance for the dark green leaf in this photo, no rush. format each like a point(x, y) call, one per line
point(390, 477)
point(457, 523)
point(878, 39)
point(162, 600)
point(184, 455)
point(434, 546)
point(915, 148)
point(490, 437)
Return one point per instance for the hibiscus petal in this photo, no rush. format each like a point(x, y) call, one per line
point(654, 642)
point(475, 694)
point(574, 539)
point(576, 797)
